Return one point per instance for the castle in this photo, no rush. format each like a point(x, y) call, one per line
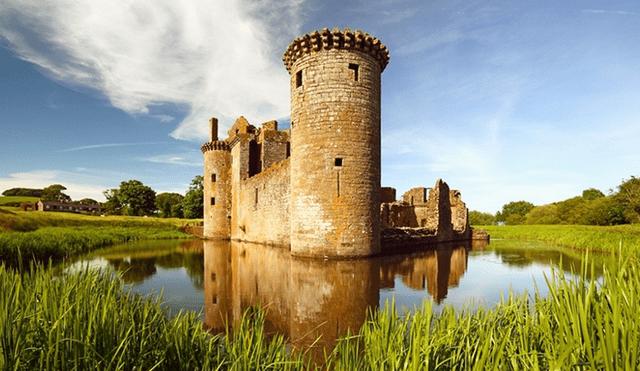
point(315, 187)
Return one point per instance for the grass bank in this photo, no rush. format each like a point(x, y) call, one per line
point(605, 240)
point(11, 219)
point(40, 236)
point(86, 320)
point(59, 242)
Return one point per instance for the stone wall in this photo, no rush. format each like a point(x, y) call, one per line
point(261, 207)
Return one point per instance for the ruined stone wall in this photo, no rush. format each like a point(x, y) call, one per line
point(459, 212)
point(415, 196)
point(335, 143)
point(398, 215)
point(261, 207)
point(387, 194)
point(439, 215)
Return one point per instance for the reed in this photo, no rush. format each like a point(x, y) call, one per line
point(58, 243)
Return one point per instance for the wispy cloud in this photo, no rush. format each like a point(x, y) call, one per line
point(219, 58)
point(601, 11)
point(106, 145)
point(173, 160)
point(164, 118)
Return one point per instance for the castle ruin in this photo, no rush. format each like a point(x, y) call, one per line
point(315, 188)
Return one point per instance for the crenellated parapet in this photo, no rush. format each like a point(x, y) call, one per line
point(218, 145)
point(336, 39)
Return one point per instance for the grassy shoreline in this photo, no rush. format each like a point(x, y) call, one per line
point(87, 320)
point(623, 239)
point(39, 236)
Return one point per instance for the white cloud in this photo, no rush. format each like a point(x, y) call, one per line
point(219, 58)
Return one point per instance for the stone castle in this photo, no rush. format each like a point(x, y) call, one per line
point(315, 187)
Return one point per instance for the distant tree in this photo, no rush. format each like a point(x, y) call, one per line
point(89, 201)
point(520, 208)
point(627, 198)
point(113, 206)
point(592, 194)
point(572, 210)
point(479, 218)
point(24, 192)
point(193, 203)
point(136, 198)
point(166, 202)
point(545, 214)
point(54, 193)
point(132, 198)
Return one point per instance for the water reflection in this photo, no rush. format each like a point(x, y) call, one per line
point(310, 298)
point(304, 298)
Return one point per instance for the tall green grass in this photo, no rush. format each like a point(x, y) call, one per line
point(582, 324)
point(592, 238)
point(58, 243)
point(88, 321)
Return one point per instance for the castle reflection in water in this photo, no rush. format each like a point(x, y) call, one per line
point(310, 298)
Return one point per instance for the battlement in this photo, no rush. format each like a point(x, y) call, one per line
point(345, 40)
point(218, 145)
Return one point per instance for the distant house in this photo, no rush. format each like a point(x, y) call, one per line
point(69, 207)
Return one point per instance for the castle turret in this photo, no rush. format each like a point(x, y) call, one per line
point(217, 185)
point(335, 143)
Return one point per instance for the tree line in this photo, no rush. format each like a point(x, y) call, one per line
point(131, 198)
point(620, 206)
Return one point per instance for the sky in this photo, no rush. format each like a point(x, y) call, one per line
point(503, 100)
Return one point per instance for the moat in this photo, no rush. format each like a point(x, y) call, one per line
point(310, 297)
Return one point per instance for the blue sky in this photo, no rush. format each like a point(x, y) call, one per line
point(504, 100)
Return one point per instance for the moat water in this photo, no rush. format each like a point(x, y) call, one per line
point(306, 298)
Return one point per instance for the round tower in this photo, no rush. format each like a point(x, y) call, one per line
point(217, 185)
point(335, 143)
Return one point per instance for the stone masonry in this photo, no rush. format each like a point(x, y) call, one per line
point(315, 188)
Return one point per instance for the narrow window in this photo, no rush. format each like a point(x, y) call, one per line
point(214, 299)
point(213, 277)
point(353, 71)
point(256, 196)
point(299, 79)
point(337, 162)
point(213, 178)
point(338, 183)
point(213, 201)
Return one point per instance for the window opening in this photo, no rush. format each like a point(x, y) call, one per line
point(213, 277)
point(338, 183)
point(213, 201)
point(213, 178)
point(256, 196)
point(337, 162)
point(299, 79)
point(214, 299)
point(353, 71)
